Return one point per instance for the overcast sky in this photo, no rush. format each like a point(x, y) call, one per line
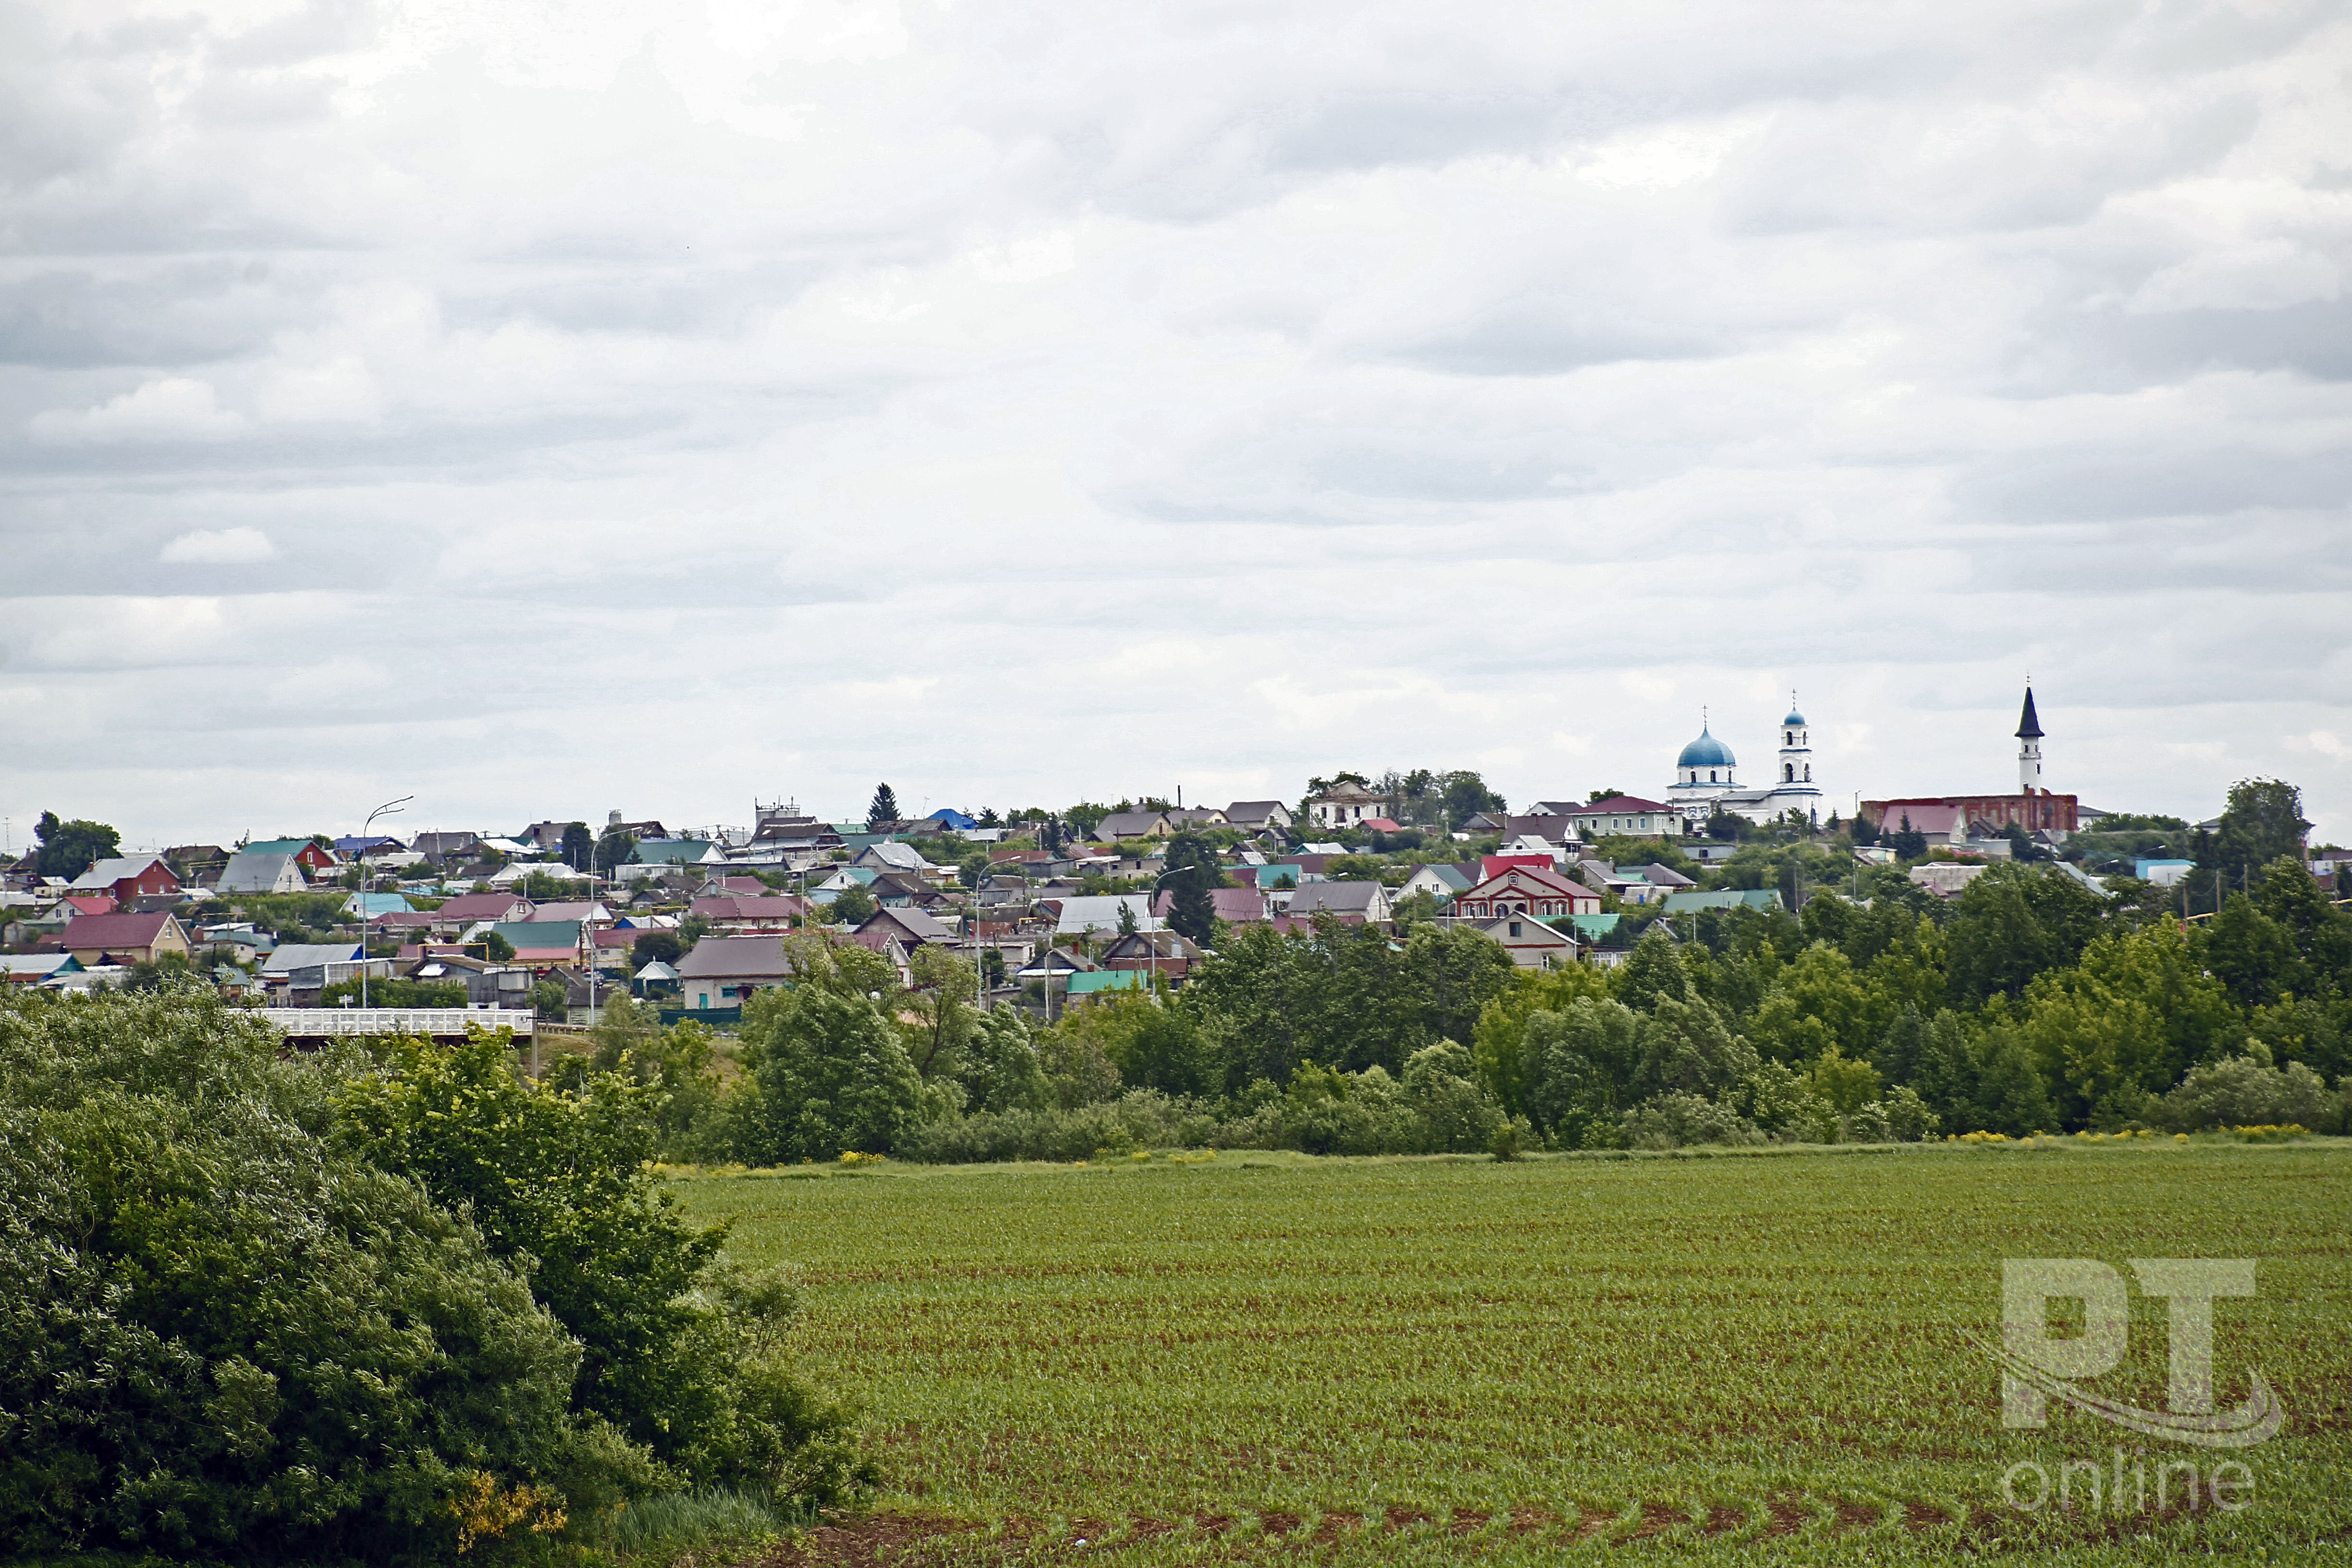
point(548, 408)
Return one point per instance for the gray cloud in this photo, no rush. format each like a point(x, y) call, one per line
point(649, 407)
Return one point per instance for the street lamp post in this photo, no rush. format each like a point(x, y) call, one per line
point(1164, 876)
point(388, 808)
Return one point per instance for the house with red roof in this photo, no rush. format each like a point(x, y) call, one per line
point(744, 914)
point(1540, 892)
point(125, 939)
point(1234, 906)
point(127, 877)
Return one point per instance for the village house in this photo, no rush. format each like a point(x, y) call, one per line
point(1346, 806)
point(124, 939)
point(296, 972)
point(127, 878)
point(261, 871)
point(743, 914)
point(1531, 944)
point(723, 972)
point(1259, 817)
point(314, 857)
point(1365, 902)
point(1542, 891)
point(1121, 827)
point(1163, 953)
point(1234, 906)
point(911, 926)
point(1440, 881)
point(470, 908)
point(1627, 816)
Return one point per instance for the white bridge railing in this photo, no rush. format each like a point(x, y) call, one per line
point(441, 1020)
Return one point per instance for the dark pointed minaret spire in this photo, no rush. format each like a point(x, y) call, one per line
point(2029, 746)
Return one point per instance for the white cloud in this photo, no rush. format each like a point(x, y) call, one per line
point(219, 547)
point(173, 408)
point(1024, 404)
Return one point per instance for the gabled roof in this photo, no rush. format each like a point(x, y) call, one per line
point(1232, 905)
point(574, 912)
point(672, 851)
point(913, 924)
point(1737, 899)
point(482, 906)
point(736, 957)
point(115, 931)
point(540, 936)
point(248, 872)
point(1340, 898)
point(310, 955)
point(1533, 932)
point(745, 906)
point(1101, 913)
point(104, 874)
point(277, 846)
point(1545, 878)
point(897, 856)
point(1129, 824)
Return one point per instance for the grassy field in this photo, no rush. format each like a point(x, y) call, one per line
point(1751, 1356)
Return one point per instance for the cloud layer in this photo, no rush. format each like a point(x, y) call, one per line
point(554, 408)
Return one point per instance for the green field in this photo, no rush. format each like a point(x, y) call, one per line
point(1743, 1355)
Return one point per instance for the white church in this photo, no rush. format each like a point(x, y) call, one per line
point(1704, 782)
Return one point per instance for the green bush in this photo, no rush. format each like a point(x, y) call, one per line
point(559, 1178)
point(172, 1384)
point(266, 1306)
point(2249, 1092)
point(1141, 1118)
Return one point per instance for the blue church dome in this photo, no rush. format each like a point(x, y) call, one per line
point(1706, 751)
point(1794, 718)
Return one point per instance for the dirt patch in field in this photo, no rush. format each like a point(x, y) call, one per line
point(1657, 1518)
point(1852, 1515)
point(862, 1542)
point(1722, 1520)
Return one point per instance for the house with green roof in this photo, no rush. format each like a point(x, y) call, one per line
point(1729, 898)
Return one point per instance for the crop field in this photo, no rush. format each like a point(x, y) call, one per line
point(1744, 1357)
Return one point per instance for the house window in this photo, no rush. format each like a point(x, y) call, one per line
point(1515, 927)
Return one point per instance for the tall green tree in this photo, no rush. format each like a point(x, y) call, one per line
point(578, 844)
point(882, 809)
point(70, 849)
point(2010, 924)
point(2263, 822)
point(1582, 1065)
point(1191, 871)
point(830, 1066)
point(618, 847)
